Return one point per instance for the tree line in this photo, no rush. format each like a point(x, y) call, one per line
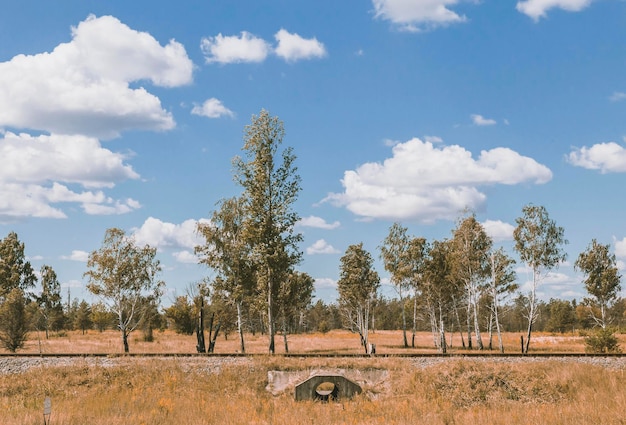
point(460, 285)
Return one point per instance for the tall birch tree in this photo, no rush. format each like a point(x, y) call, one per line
point(502, 282)
point(395, 252)
point(602, 278)
point(357, 286)
point(539, 243)
point(271, 186)
point(228, 253)
point(471, 247)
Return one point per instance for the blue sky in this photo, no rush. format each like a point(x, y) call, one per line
point(127, 114)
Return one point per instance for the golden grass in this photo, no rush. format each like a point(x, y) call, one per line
point(335, 342)
point(165, 391)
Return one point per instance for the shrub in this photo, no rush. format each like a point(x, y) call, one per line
point(602, 341)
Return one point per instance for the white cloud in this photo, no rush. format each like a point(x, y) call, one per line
point(426, 183)
point(234, 49)
point(317, 222)
point(606, 157)
point(321, 247)
point(292, 47)
point(160, 234)
point(617, 96)
point(433, 139)
point(30, 200)
point(77, 255)
point(69, 159)
point(537, 9)
point(498, 230)
point(417, 15)
point(482, 121)
point(620, 248)
point(186, 257)
point(82, 87)
point(212, 108)
point(325, 282)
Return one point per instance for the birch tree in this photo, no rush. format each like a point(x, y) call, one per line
point(502, 282)
point(539, 243)
point(124, 276)
point(602, 278)
point(295, 295)
point(271, 186)
point(357, 286)
point(395, 252)
point(471, 247)
point(228, 253)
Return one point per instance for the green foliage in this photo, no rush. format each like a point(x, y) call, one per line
point(82, 317)
point(50, 301)
point(602, 278)
point(14, 320)
point(182, 315)
point(601, 341)
point(124, 276)
point(562, 316)
point(15, 271)
point(271, 186)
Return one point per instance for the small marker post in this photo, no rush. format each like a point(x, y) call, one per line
point(47, 410)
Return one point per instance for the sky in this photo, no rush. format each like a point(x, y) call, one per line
point(128, 114)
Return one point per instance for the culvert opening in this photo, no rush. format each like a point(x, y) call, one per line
point(326, 391)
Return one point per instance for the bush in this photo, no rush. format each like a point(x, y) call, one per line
point(602, 341)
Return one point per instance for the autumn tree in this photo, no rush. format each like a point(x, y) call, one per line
point(181, 314)
point(227, 251)
point(50, 301)
point(14, 320)
point(82, 318)
point(123, 275)
point(471, 247)
point(602, 278)
point(539, 243)
point(501, 283)
point(395, 252)
point(357, 286)
point(15, 270)
point(295, 295)
point(271, 186)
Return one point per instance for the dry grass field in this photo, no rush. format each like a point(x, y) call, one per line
point(121, 390)
point(336, 342)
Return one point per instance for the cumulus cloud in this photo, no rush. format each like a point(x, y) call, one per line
point(77, 255)
point(499, 230)
point(30, 200)
point(82, 87)
point(537, 9)
point(234, 49)
point(426, 183)
point(70, 159)
point(482, 121)
point(160, 234)
point(617, 96)
point(317, 222)
point(620, 248)
point(321, 247)
point(606, 157)
point(325, 282)
point(292, 47)
point(249, 48)
point(186, 257)
point(417, 15)
point(212, 108)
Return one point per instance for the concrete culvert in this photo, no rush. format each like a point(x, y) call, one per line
point(326, 388)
